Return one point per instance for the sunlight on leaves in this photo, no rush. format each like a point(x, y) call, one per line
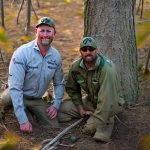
point(146, 142)
point(4, 43)
point(143, 30)
point(76, 49)
point(3, 36)
point(36, 147)
point(9, 141)
point(48, 3)
point(7, 46)
point(10, 17)
point(80, 12)
point(147, 71)
point(25, 39)
point(147, 1)
point(67, 1)
point(147, 14)
point(45, 12)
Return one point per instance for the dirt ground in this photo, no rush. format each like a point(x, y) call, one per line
point(132, 129)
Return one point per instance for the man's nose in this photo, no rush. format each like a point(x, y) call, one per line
point(45, 33)
point(88, 51)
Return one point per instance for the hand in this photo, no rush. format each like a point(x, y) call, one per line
point(26, 127)
point(52, 112)
point(83, 112)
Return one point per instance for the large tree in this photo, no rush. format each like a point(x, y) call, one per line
point(111, 23)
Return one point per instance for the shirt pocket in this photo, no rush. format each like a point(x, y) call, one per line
point(82, 82)
point(50, 71)
point(31, 69)
point(95, 85)
point(51, 65)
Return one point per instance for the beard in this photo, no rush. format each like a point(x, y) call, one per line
point(89, 58)
point(46, 42)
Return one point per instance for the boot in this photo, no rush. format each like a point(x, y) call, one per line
point(103, 133)
point(90, 126)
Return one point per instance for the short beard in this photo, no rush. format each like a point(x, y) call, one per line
point(46, 42)
point(92, 60)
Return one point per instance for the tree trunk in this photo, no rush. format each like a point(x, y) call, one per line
point(28, 19)
point(111, 24)
point(2, 13)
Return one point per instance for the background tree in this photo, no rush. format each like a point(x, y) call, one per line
point(29, 7)
point(2, 13)
point(112, 24)
point(141, 5)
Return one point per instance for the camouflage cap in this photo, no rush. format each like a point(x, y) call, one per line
point(88, 41)
point(47, 21)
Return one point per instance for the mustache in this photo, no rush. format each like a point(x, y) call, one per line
point(88, 55)
point(45, 38)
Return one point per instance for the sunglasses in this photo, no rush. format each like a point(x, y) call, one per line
point(87, 48)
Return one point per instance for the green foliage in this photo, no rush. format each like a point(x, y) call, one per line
point(67, 1)
point(142, 30)
point(9, 141)
point(4, 43)
point(10, 17)
point(25, 39)
point(45, 12)
point(147, 14)
point(3, 37)
point(80, 12)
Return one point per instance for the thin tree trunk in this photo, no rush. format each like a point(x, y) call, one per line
point(20, 8)
point(138, 9)
point(112, 24)
point(141, 15)
point(28, 16)
point(2, 13)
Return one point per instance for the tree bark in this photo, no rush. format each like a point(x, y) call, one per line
point(28, 19)
point(111, 24)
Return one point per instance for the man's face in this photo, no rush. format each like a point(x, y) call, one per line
point(45, 35)
point(89, 54)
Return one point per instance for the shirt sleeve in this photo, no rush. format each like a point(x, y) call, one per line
point(16, 81)
point(58, 85)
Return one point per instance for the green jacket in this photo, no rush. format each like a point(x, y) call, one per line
point(101, 83)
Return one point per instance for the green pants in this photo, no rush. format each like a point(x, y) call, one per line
point(38, 108)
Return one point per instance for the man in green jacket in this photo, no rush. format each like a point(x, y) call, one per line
point(93, 85)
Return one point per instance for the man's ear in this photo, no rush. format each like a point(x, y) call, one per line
point(97, 50)
point(35, 30)
point(54, 31)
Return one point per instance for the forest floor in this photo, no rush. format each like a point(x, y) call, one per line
point(131, 132)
